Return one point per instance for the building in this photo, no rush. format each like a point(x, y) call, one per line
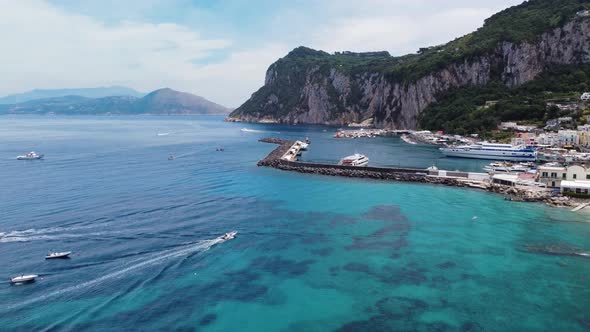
point(583, 13)
point(568, 137)
point(552, 176)
point(508, 125)
point(549, 139)
point(577, 173)
point(585, 96)
point(584, 134)
point(577, 187)
point(528, 139)
point(513, 180)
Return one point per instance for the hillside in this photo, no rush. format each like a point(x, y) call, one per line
point(159, 102)
point(84, 92)
point(513, 47)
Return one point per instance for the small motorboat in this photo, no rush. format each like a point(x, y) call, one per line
point(229, 236)
point(30, 156)
point(23, 279)
point(171, 157)
point(53, 255)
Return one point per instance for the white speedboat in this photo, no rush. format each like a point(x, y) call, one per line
point(30, 156)
point(23, 279)
point(354, 160)
point(492, 151)
point(303, 146)
point(53, 255)
point(229, 236)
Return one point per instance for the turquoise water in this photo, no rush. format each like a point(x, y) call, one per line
point(313, 253)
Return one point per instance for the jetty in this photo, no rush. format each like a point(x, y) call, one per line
point(285, 157)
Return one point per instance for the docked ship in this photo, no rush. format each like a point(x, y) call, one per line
point(354, 160)
point(492, 151)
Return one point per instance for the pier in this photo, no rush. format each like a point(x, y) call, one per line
point(282, 158)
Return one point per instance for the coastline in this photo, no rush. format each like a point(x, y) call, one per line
point(426, 176)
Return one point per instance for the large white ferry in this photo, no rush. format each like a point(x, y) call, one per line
point(493, 151)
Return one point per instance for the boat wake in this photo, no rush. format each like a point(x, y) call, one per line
point(51, 233)
point(248, 130)
point(163, 134)
point(155, 258)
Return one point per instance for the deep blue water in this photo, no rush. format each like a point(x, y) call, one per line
point(313, 253)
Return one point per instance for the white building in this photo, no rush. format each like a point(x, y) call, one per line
point(552, 176)
point(578, 187)
point(585, 96)
point(550, 139)
point(568, 137)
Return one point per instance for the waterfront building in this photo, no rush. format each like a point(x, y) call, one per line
point(577, 173)
point(577, 187)
point(585, 96)
point(552, 176)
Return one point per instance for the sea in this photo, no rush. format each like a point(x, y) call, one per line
point(313, 253)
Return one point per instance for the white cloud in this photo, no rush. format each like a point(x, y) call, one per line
point(45, 46)
point(398, 33)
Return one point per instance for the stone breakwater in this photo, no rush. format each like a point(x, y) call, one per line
point(273, 159)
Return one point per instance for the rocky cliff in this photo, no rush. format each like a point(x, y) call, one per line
point(315, 87)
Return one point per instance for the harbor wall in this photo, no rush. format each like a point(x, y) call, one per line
point(449, 178)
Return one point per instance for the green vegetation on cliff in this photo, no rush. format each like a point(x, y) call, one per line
point(295, 81)
point(522, 23)
point(464, 111)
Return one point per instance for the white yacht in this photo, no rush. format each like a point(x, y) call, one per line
point(506, 167)
point(495, 151)
point(23, 279)
point(54, 255)
point(30, 156)
point(354, 160)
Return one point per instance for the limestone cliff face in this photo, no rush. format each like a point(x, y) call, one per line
point(334, 97)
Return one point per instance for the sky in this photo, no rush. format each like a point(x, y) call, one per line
point(218, 49)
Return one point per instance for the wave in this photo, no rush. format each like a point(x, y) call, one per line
point(33, 234)
point(248, 130)
point(126, 269)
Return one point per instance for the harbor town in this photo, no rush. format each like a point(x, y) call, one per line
point(549, 164)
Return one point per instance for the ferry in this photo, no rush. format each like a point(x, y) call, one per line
point(492, 151)
point(354, 160)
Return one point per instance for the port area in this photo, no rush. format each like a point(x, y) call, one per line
point(285, 157)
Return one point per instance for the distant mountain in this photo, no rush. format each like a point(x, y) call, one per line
point(160, 102)
point(168, 101)
point(85, 92)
